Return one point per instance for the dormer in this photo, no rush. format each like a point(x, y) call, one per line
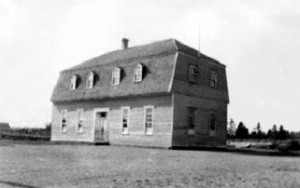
point(115, 76)
point(138, 73)
point(74, 82)
point(90, 80)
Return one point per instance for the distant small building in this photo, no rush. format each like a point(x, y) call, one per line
point(4, 128)
point(163, 94)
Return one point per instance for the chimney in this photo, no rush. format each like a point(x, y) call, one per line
point(124, 43)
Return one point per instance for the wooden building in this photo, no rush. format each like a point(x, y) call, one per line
point(163, 94)
point(4, 128)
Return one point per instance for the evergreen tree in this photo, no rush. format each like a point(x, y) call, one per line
point(274, 132)
point(270, 134)
point(242, 132)
point(259, 133)
point(282, 134)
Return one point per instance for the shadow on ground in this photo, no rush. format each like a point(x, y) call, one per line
point(15, 184)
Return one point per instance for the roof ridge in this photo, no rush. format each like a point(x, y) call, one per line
point(133, 58)
point(155, 48)
point(145, 50)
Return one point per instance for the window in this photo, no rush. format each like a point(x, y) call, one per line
point(148, 120)
point(193, 71)
point(90, 80)
point(138, 73)
point(80, 121)
point(64, 114)
point(74, 82)
point(212, 124)
point(125, 119)
point(213, 79)
point(191, 120)
point(115, 80)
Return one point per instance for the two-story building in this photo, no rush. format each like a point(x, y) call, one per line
point(163, 94)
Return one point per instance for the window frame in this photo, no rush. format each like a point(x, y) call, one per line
point(64, 120)
point(212, 132)
point(74, 84)
point(146, 132)
point(90, 81)
point(123, 131)
point(138, 70)
point(115, 75)
point(80, 129)
point(193, 72)
point(191, 120)
point(213, 81)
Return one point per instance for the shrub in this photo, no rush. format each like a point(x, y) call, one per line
point(293, 145)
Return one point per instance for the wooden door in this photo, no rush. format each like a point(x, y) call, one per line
point(101, 127)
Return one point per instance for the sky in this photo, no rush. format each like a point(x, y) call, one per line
point(257, 40)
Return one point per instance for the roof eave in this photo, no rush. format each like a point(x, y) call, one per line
point(54, 101)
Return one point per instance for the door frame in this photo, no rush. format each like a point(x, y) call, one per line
point(99, 110)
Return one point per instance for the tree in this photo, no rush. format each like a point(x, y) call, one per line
point(258, 129)
point(242, 132)
point(48, 129)
point(282, 133)
point(253, 134)
point(294, 135)
point(274, 132)
point(270, 134)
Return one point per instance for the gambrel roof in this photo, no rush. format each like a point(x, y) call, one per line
point(158, 59)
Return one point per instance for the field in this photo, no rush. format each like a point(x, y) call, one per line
point(46, 165)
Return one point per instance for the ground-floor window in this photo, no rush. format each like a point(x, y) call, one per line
point(125, 119)
point(148, 119)
point(191, 120)
point(212, 124)
point(64, 114)
point(80, 121)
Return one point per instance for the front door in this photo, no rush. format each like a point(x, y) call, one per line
point(101, 128)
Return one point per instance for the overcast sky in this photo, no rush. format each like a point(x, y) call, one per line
point(258, 41)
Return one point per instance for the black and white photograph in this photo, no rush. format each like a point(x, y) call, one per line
point(149, 93)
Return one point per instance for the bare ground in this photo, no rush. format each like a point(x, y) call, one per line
point(39, 165)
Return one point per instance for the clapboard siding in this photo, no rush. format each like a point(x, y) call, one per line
point(72, 133)
point(162, 121)
point(202, 120)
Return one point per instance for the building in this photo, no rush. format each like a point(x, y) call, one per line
point(4, 128)
point(163, 94)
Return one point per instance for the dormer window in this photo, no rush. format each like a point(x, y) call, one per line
point(116, 75)
point(213, 79)
point(90, 80)
point(193, 71)
point(74, 82)
point(138, 73)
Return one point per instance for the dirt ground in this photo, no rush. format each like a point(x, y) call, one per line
point(45, 165)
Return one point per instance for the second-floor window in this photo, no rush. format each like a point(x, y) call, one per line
point(116, 75)
point(74, 82)
point(138, 73)
point(213, 79)
point(193, 71)
point(90, 80)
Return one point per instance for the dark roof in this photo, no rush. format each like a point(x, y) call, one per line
point(142, 51)
point(158, 60)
